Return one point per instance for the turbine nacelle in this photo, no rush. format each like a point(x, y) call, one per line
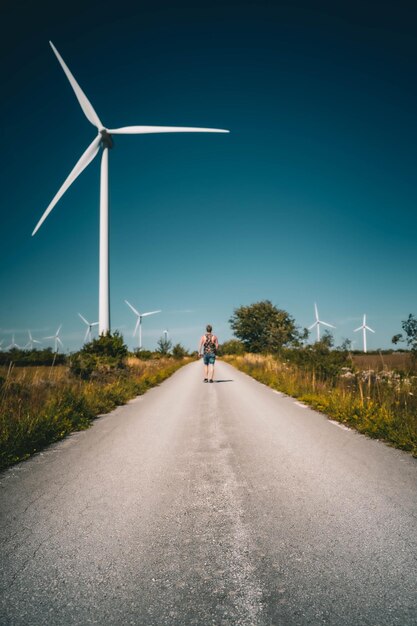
point(106, 139)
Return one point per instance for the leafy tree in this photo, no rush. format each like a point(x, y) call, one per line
point(409, 327)
point(262, 327)
point(164, 346)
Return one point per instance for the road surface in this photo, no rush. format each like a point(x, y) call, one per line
point(225, 504)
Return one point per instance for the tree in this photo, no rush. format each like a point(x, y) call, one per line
point(262, 327)
point(409, 326)
point(164, 346)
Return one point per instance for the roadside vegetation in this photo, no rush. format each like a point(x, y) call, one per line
point(40, 404)
point(374, 393)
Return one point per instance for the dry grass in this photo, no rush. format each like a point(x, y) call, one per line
point(398, 361)
point(39, 405)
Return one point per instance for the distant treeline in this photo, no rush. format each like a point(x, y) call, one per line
point(32, 357)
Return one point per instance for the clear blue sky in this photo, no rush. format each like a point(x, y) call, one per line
point(312, 197)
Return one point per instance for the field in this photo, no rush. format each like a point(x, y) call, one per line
point(40, 405)
point(395, 361)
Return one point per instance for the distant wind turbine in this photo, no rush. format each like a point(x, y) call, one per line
point(56, 339)
point(319, 323)
point(139, 321)
point(89, 327)
point(104, 139)
point(166, 335)
point(31, 341)
point(13, 345)
point(364, 328)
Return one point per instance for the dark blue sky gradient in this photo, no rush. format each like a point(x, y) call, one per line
point(312, 197)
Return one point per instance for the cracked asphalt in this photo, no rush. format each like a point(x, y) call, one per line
point(210, 504)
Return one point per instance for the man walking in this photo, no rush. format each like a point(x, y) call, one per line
point(207, 349)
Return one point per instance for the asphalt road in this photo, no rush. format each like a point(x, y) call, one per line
point(223, 503)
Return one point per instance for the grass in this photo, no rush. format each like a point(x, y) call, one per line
point(41, 405)
point(382, 404)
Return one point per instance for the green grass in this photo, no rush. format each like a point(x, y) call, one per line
point(382, 405)
point(39, 406)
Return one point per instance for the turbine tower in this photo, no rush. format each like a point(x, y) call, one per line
point(89, 327)
point(139, 321)
point(104, 139)
point(319, 323)
point(56, 339)
point(364, 328)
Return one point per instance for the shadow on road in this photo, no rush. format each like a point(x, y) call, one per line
point(229, 380)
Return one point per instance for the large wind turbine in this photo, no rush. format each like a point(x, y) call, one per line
point(31, 341)
point(364, 328)
point(319, 323)
point(104, 139)
point(13, 345)
point(139, 321)
point(56, 339)
point(89, 327)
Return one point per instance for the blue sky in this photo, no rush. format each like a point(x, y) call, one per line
point(312, 196)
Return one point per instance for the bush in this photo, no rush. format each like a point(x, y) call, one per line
point(100, 357)
point(233, 346)
point(179, 352)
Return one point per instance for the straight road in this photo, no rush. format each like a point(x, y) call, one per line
point(224, 503)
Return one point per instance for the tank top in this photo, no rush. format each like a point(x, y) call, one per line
point(209, 345)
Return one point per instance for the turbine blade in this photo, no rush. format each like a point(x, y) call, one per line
point(132, 307)
point(82, 163)
point(326, 324)
point(85, 104)
point(368, 328)
point(150, 313)
point(86, 334)
point(94, 324)
point(316, 311)
point(59, 341)
point(356, 329)
point(137, 326)
point(83, 319)
point(57, 332)
point(312, 326)
point(144, 130)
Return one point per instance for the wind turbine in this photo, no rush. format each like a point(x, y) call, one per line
point(56, 339)
point(165, 335)
point(139, 321)
point(364, 328)
point(13, 345)
point(319, 323)
point(89, 327)
point(31, 341)
point(104, 139)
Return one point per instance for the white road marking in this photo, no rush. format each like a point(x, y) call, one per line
point(339, 425)
point(303, 406)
